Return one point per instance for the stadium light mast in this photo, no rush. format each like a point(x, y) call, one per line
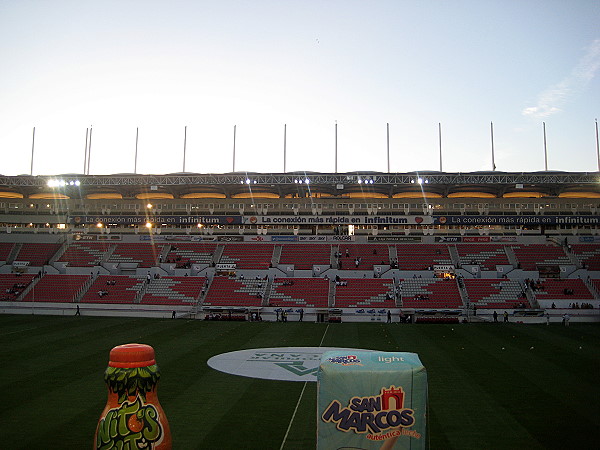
point(89, 152)
point(597, 146)
point(545, 148)
point(492, 137)
point(440, 138)
point(184, 145)
point(388, 146)
point(33, 148)
point(336, 150)
point(284, 145)
point(85, 150)
point(234, 129)
point(137, 131)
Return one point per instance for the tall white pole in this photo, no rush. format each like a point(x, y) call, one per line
point(597, 146)
point(137, 132)
point(33, 148)
point(492, 136)
point(336, 148)
point(85, 151)
point(234, 130)
point(284, 146)
point(545, 149)
point(89, 151)
point(388, 146)
point(440, 136)
point(184, 145)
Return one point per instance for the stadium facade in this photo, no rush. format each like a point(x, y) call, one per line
point(506, 228)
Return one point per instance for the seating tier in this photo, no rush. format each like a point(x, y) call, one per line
point(305, 256)
point(248, 256)
point(530, 256)
point(225, 291)
point(114, 289)
point(173, 291)
point(5, 249)
point(38, 254)
point(563, 289)
point(56, 288)
point(12, 284)
point(365, 293)
point(182, 253)
point(304, 292)
point(145, 255)
point(487, 256)
point(430, 293)
point(495, 293)
point(363, 256)
point(587, 254)
point(85, 254)
point(422, 256)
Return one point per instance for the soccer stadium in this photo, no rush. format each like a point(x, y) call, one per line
point(330, 225)
point(204, 265)
point(427, 247)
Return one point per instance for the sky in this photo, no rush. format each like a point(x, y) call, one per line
point(189, 72)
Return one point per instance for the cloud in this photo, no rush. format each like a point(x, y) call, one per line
point(552, 99)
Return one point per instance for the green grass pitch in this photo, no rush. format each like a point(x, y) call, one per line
point(491, 386)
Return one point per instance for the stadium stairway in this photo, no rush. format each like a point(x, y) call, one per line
point(454, 257)
point(510, 253)
point(332, 293)
point(592, 287)
point(333, 256)
point(29, 287)
point(85, 288)
point(275, 258)
point(140, 294)
point(464, 295)
point(14, 252)
point(574, 260)
point(61, 251)
point(529, 295)
point(218, 253)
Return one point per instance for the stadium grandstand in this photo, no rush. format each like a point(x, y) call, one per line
point(426, 247)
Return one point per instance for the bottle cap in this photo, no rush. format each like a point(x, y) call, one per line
point(131, 355)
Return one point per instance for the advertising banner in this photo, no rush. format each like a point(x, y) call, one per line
point(338, 220)
point(516, 220)
point(142, 219)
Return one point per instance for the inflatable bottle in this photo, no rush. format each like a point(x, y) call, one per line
point(132, 417)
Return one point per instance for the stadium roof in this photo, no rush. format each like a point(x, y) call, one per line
point(281, 185)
